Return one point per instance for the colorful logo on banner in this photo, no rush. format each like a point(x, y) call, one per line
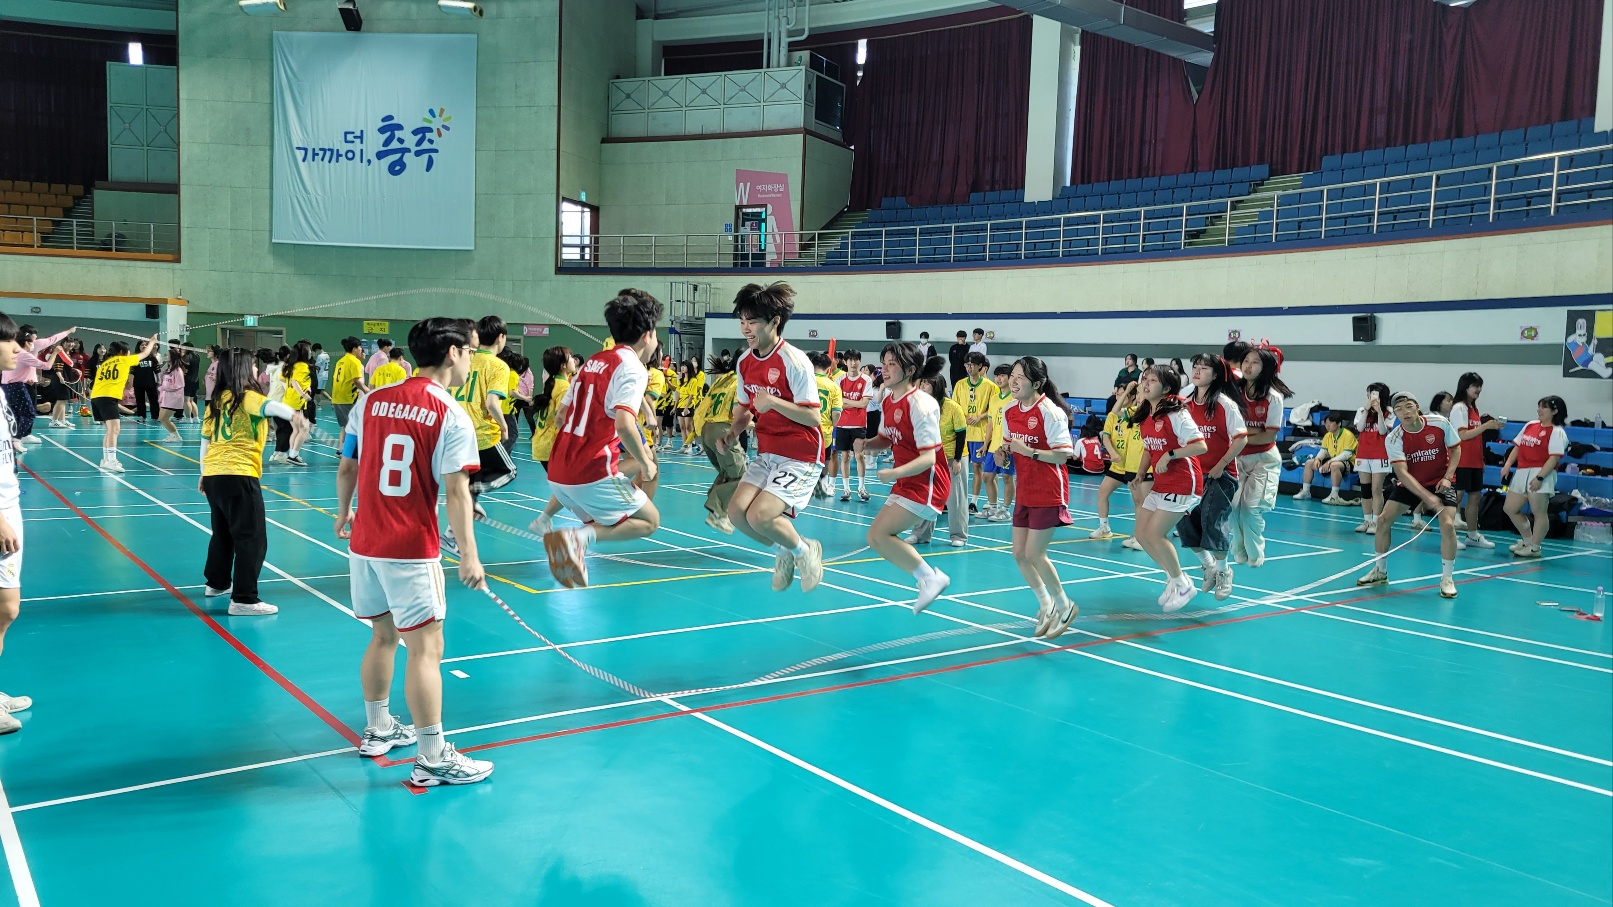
point(760, 188)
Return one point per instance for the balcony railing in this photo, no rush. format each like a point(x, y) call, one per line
point(1560, 183)
point(87, 235)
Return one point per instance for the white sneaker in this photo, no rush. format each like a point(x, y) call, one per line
point(1334, 500)
point(810, 565)
point(1479, 541)
point(957, 543)
point(1461, 544)
point(1447, 587)
point(1178, 594)
point(1223, 584)
point(783, 570)
point(845, 494)
point(568, 557)
point(862, 495)
point(295, 461)
point(210, 592)
point(999, 515)
point(1209, 579)
point(277, 457)
point(15, 703)
point(930, 588)
point(1044, 615)
point(1256, 559)
point(1304, 494)
point(1064, 611)
point(8, 723)
point(1101, 533)
point(1461, 524)
point(112, 466)
point(542, 525)
point(379, 743)
point(1377, 576)
point(1240, 557)
point(1418, 523)
point(173, 439)
point(913, 538)
point(1366, 526)
point(1132, 543)
point(717, 521)
point(254, 609)
point(455, 768)
point(477, 510)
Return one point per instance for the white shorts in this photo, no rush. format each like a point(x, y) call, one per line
point(922, 511)
point(1373, 467)
point(606, 501)
point(411, 590)
point(1171, 503)
point(791, 481)
point(11, 564)
point(1519, 484)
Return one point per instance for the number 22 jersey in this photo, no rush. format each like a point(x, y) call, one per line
point(405, 437)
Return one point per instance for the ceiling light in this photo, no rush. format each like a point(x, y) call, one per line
point(262, 7)
point(137, 54)
point(459, 8)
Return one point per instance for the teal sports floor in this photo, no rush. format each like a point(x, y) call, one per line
point(1374, 747)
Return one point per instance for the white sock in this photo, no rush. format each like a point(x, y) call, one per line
point(293, 451)
point(1474, 534)
point(1447, 568)
point(923, 571)
point(1206, 560)
point(377, 716)
point(589, 536)
point(1103, 524)
point(431, 743)
point(1381, 562)
point(109, 454)
point(1220, 559)
point(1042, 597)
point(780, 549)
point(800, 549)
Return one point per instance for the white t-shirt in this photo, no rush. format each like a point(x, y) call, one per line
point(10, 493)
point(979, 347)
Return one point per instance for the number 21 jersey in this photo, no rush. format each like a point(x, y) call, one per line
point(407, 436)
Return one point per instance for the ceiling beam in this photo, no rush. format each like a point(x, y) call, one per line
point(1123, 23)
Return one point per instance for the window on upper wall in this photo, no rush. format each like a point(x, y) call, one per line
point(579, 232)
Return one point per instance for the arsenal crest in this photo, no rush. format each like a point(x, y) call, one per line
point(772, 376)
point(1031, 423)
point(896, 415)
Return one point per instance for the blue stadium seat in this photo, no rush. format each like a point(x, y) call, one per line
point(1488, 140)
point(1353, 159)
point(1466, 143)
point(1170, 182)
point(1443, 146)
point(1394, 153)
point(1416, 152)
point(1333, 162)
point(1513, 136)
point(1132, 185)
point(1372, 156)
point(1538, 133)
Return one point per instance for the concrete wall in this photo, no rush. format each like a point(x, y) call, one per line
point(597, 39)
point(825, 183)
point(687, 185)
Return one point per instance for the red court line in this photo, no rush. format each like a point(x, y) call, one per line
point(308, 701)
point(947, 669)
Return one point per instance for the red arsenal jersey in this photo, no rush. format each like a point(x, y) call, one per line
point(1426, 451)
point(408, 435)
point(1161, 434)
point(585, 448)
point(1370, 436)
point(913, 425)
point(1538, 443)
point(786, 374)
point(1043, 426)
point(853, 387)
point(1219, 430)
point(1464, 417)
point(1264, 413)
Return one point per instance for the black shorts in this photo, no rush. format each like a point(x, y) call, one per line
point(1404, 496)
point(57, 392)
point(105, 409)
point(1125, 477)
point(847, 438)
point(190, 390)
point(686, 414)
point(1468, 479)
point(497, 470)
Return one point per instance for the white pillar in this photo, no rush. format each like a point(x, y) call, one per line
point(1604, 72)
point(1064, 146)
point(648, 57)
point(1041, 123)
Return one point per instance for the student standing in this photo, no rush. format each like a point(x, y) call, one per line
point(346, 381)
point(830, 404)
point(106, 395)
point(10, 525)
point(1123, 441)
point(1036, 426)
point(383, 352)
point(143, 378)
point(299, 395)
point(394, 372)
point(1260, 465)
point(957, 356)
point(1536, 451)
point(920, 480)
point(400, 447)
point(1207, 531)
point(482, 395)
point(711, 421)
point(975, 393)
point(990, 465)
point(856, 389)
point(17, 382)
point(1426, 452)
point(777, 392)
point(234, 429)
point(1470, 427)
point(1372, 426)
point(1170, 482)
point(171, 393)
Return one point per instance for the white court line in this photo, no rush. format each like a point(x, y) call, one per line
point(1435, 623)
point(905, 813)
point(1535, 582)
point(273, 579)
point(21, 878)
point(460, 674)
point(180, 780)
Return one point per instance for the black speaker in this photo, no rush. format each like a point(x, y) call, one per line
point(893, 330)
point(1363, 328)
point(151, 312)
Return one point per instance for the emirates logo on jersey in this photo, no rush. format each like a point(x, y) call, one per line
point(1031, 423)
point(772, 376)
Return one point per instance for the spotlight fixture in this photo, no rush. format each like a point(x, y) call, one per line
point(459, 8)
point(262, 7)
point(351, 20)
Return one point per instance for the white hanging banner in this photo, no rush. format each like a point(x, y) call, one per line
point(374, 140)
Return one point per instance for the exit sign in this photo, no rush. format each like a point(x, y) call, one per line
point(250, 321)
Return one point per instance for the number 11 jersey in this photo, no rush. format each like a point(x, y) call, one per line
point(405, 436)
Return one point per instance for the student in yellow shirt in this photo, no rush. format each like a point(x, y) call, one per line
point(1338, 450)
point(395, 371)
point(975, 392)
point(347, 381)
point(107, 392)
point(1124, 442)
point(954, 431)
point(990, 467)
point(299, 395)
point(515, 401)
point(234, 429)
point(690, 390)
point(712, 420)
point(482, 395)
point(560, 365)
point(830, 404)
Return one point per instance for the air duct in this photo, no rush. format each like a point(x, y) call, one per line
point(1123, 23)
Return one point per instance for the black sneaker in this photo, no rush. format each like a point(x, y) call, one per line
point(296, 461)
point(973, 510)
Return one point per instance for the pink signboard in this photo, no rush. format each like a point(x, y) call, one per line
point(535, 330)
point(759, 187)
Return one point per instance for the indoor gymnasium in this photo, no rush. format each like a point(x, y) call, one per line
point(806, 452)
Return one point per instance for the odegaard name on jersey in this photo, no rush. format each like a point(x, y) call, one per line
point(404, 411)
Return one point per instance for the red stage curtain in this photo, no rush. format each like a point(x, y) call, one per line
point(942, 114)
point(1133, 108)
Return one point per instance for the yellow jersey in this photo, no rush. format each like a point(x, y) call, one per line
point(718, 407)
point(610, 343)
point(342, 390)
point(391, 373)
point(830, 402)
point(235, 448)
point(509, 398)
point(995, 407)
point(690, 391)
point(1343, 442)
point(112, 376)
point(299, 387)
point(1127, 439)
point(548, 422)
point(951, 423)
point(488, 375)
point(655, 390)
point(976, 397)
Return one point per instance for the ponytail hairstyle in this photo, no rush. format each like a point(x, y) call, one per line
point(300, 353)
point(932, 386)
point(1383, 402)
point(1559, 409)
point(237, 374)
point(1036, 373)
point(911, 360)
point(1268, 380)
point(176, 358)
point(1220, 384)
point(718, 364)
point(555, 360)
point(1170, 403)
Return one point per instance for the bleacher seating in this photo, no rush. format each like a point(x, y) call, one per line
point(28, 210)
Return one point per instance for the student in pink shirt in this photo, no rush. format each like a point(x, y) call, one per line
point(383, 350)
point(15, 381)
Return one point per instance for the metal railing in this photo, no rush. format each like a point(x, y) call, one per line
point(95, 234)
point(1535, 186)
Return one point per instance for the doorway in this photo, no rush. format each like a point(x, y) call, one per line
point(750, 236)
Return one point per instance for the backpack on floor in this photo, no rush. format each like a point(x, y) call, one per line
point(1493, 514)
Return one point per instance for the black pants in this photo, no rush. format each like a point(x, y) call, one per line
point(282, 440)
point(144, 397)
point(240, 538)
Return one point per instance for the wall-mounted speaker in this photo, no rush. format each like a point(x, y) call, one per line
point(151, 312)
point(893, 330)
point(1363, 328)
